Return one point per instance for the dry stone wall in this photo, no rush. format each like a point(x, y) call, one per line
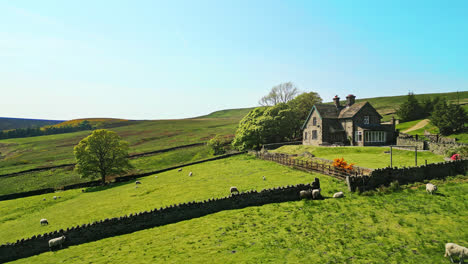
point(134, 222)
point(383, 177)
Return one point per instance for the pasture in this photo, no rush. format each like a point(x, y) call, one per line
point(19, 218)
point(56, 178)
point(26, 153)
point(404, 226)
point(368, 157)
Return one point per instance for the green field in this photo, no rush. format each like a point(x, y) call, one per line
point(407, 226)
point(25, 153)
point(56, 178)
point(461, 137)
point(368, 157)
point(20, 217)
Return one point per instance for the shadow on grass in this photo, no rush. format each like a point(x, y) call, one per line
point(107, 186)
point(439, 194)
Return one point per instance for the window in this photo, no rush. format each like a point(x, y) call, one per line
point(314, 121)
point(358, 136)
point(305, 135)
point(314, 134)
point(366, 120)
point(375, 136)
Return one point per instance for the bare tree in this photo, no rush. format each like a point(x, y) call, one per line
point(281, 93)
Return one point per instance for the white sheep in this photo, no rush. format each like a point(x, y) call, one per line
point(264, 178)
point(179, 170)
point(55, 197)
point(338, 195)
point(137, 182)
point(56, 242)
point(233, 190)
point(190, 174)
point(316, 193)
point(305, 194)
point(44, 221)
point(457, 250)
point(430, 188)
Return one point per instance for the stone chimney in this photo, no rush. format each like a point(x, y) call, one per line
point(336, 99)
point(350, 100)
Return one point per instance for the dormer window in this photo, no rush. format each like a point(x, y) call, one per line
point(366, 120)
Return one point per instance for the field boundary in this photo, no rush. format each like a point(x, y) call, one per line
point(157, 217)
point(132, 156)
point(385, 176)
point(118, 179)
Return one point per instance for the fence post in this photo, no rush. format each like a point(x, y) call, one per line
point(348, 182)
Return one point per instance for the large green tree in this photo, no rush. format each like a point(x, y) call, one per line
point(265, 125)
point(303, 103)
point(101, 154)
point(410, 109)
point(449, 118)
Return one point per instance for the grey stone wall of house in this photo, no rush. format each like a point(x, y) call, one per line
point(310, 128)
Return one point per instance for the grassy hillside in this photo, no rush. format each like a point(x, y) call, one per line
point(96, 122)
point(26, 153)
point(56, 178)
point(7, 123)
point(389, 104)
point(461, 137)
point(407, 226)
point(368, 157)
point(20, 217)
point(229, 113)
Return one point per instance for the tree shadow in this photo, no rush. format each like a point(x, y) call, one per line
point(106, 186)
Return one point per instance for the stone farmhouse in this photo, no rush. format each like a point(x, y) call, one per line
point(356, 124)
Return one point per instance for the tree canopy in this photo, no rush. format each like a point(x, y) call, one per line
point(266, 125)
point(449, 118)
point(303, 103)
point(410, 109)
point(281, 93)
point(101, 154)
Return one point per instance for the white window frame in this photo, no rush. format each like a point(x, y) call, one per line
point(375, 136)
point(358, 136)
point(366, 120)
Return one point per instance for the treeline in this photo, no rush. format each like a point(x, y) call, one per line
point(449, 118)
point(49, 130)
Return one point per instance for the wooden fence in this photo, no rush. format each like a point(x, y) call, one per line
point(320, 167)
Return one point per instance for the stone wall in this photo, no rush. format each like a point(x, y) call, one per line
point(130, 223)
point(439, 146)
point(118, 179)
point(383, 177)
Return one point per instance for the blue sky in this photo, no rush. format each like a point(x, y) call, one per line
point(177, 59)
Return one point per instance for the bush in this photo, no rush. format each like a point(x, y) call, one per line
point(219, 144)
point(462, 151)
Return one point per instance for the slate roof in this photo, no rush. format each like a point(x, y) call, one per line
point(330, 111)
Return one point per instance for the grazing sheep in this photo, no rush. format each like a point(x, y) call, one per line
point(179, 170)
point(457, 250)
point(137, 182)
point(338, 195)
point(44, 221)
point(56, 242)
point(305, 194)
point(316, 194)
point(233, 190)
point(190, 174)
point(155, 177)
point(55, 197)
point(264, 178)
point(430, 188)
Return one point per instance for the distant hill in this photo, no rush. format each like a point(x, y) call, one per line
point(7, 123)
point(229, 113)
point(96, 122)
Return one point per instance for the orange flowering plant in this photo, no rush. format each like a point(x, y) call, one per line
point(342, 164)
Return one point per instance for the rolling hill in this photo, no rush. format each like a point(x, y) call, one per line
point(7, 123)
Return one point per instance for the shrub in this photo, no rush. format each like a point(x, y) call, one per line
point(342, 164)
point(219, 144)
point(462, 151)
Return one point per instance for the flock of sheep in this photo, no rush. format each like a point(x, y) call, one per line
point(451, 249)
